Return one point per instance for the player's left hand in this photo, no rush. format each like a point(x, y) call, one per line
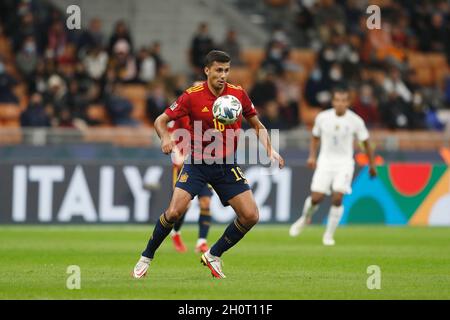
point(372, 171)
point(167, 145)
point(276, 156)
point(177, 157)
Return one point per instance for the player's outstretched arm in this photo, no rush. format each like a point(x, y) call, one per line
point(369, 152)
point(313, 147)
point(263, 136)
point(167, 144)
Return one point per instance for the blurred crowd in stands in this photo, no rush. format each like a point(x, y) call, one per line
point(66, 72)
point(389, 87)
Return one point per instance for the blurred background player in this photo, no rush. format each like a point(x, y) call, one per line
point(335, 130)
point(204, 197)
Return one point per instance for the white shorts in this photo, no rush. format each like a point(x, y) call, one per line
point(326, 180)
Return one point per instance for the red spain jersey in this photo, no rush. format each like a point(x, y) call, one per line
point(179, 123)
point(196, 103)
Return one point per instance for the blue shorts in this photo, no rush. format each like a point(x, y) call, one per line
point(227, 180)
point(206, 191)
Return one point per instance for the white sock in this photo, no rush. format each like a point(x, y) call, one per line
point(174, 233)
point(201, 241)
point(208, 254)
point(308, 208)
point(145, 259)
point(333, 220)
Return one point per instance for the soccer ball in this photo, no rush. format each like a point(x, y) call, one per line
point(227, 109)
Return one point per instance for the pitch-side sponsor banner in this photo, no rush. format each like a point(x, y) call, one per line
point(138, 192)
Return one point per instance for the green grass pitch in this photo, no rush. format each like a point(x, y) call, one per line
point(266, 264)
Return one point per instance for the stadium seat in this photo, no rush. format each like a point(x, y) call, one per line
point(417, 60)
point(440, 74)
point(13, 123)
point(9, 112)
point(425, 76)
point(436, 60)
point(133, 91)
point(253, 57)
point(5, 48)
point(137, 94)
point(139, 110)
point(97, 112)
point(307, 113)
point(305, 58)
point(21, 93)
point(430, 68)
point(438, 63)
point(242, 76)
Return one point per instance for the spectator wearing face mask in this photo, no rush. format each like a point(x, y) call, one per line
point(277, 51)
point(316, 85)
point(335, 75)
point(27, 57)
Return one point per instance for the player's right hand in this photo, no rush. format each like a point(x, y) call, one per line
point(167, 145)
point(276, 157)
point(372, 171)
point(311, 162)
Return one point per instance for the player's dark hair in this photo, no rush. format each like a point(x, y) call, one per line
point(340, 89)
point(216, 56)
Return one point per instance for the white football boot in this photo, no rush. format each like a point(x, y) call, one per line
point(214, 264)
point(328, 240)
point(140, 270)
point(297, 227)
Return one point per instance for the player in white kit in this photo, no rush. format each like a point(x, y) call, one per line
point(335, 129)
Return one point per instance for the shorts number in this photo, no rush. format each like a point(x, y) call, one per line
point(218, 125)
point(238, 174)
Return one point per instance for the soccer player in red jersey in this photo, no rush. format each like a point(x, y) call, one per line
point(206, 166)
